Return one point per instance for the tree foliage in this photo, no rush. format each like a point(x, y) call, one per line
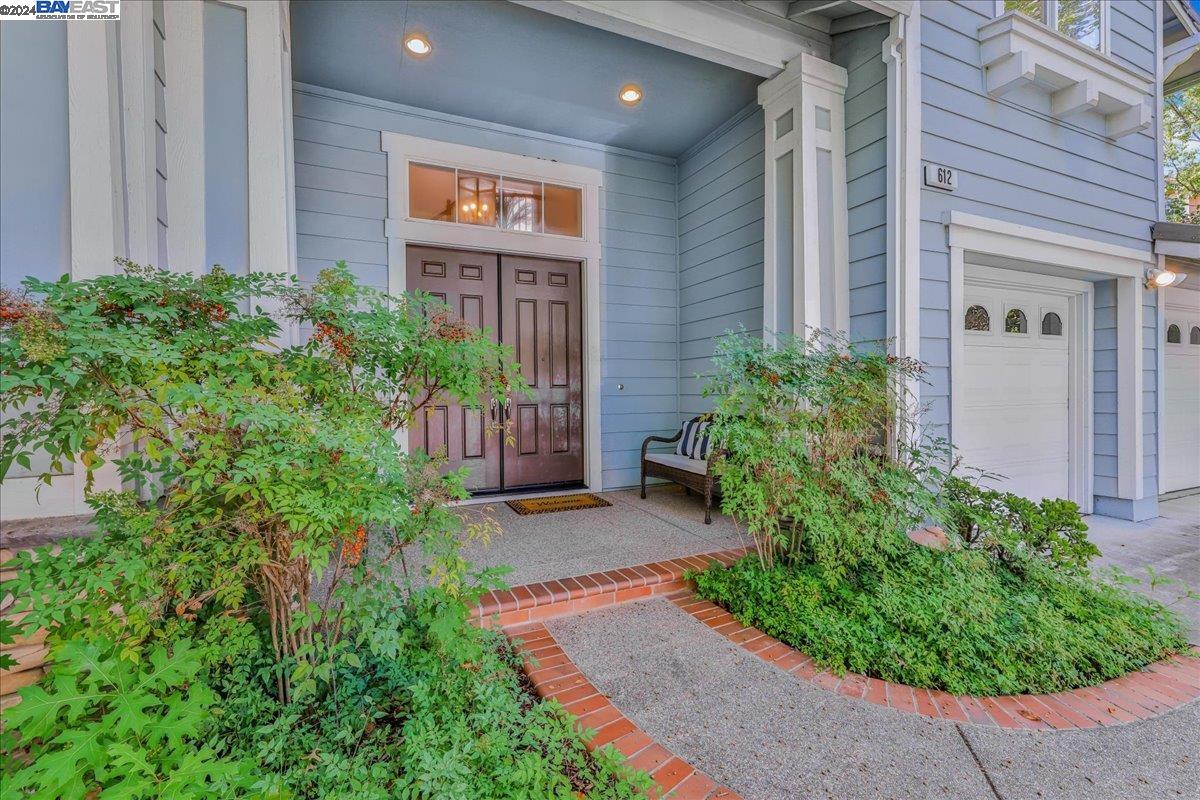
point(802, 426)
point(1181, 153)
point(266, 548)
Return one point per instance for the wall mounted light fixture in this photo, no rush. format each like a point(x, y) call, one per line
point(1162, 278)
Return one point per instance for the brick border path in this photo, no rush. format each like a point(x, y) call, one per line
point(1143, 694)
point(555, 677)
point(538, 601)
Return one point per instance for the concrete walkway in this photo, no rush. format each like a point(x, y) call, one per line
point(667, 524)
point(1169, 544)
point(770, 736)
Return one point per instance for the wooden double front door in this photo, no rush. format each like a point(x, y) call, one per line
point(534, 305)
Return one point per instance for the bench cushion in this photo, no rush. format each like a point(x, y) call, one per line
point(679, 462)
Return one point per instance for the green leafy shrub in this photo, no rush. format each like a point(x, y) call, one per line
point(134, 727)
point(956, 621)
point(802, 429)
point(1014, 528)
point(283, 516)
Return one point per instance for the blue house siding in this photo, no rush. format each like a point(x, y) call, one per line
point(1018, 164)
point(860, 53)
point(721, 185)
point(720, 201)
point(341, 204)
point(1132, 35)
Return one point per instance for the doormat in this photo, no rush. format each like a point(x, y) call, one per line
point(562, 502)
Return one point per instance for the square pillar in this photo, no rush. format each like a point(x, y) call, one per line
point(806, 271)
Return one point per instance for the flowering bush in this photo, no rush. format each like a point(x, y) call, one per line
point(282, 513)
point(802, 428)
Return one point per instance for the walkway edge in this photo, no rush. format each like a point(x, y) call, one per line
point(555, 677)
point(1144, 694)
point(534, 602)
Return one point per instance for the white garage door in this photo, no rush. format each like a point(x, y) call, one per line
point(1181, 392)
point(1014, 389)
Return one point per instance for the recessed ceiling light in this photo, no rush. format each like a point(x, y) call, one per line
point(630, 94)
point(418, 45)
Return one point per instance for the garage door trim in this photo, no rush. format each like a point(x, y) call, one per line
point(1079, 299)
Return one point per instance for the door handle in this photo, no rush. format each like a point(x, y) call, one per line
point(493, 409)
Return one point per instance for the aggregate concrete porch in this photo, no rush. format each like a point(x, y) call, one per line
point(540, 547)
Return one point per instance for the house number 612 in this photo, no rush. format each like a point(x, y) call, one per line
point(941, 177)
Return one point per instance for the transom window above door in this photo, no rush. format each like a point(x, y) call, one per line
point(468, 197)
point(1085, 21)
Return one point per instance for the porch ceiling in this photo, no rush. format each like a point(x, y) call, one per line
point(504, 63)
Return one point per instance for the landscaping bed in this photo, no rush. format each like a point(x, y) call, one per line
point(952, 621)
point(245, 623)
point(1003, 603)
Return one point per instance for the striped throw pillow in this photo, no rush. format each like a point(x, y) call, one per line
point(700, 448)
point(687, 442)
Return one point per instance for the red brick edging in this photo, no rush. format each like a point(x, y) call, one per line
point(538, 601)
point(1143, 694)
point(555, 677)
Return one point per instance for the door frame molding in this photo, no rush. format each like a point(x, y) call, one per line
point(1031, 250)
point(1079, 297)
point(402, 230)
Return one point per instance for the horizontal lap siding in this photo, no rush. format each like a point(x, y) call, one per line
point(1018, 164)
point(861, 54)
point(720, 248)
point(341, 204)
point(638, 315)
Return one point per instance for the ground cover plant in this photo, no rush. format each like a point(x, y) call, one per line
point(245, 623)
point(821, 462)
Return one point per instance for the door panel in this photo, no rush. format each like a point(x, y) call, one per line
point(1015, 391)
point(467, 282)
point(541, 318)
point(1181, 392)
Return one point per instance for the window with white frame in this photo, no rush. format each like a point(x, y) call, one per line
point(468, 197)
point(1085, 21)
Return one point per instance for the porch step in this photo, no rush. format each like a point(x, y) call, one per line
point(534, 602)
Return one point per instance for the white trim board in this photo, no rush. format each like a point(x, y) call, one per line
point(727, 34)
point(402, 230)
point(1039, 255)
point(902, 54)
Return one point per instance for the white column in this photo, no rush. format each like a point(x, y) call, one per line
point(806, 265)
point(270, 131)
point(137, 105)
point(184, 60)
point(91, 97)
point(1130, 363)
point(272, 180)
point(902, 53)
